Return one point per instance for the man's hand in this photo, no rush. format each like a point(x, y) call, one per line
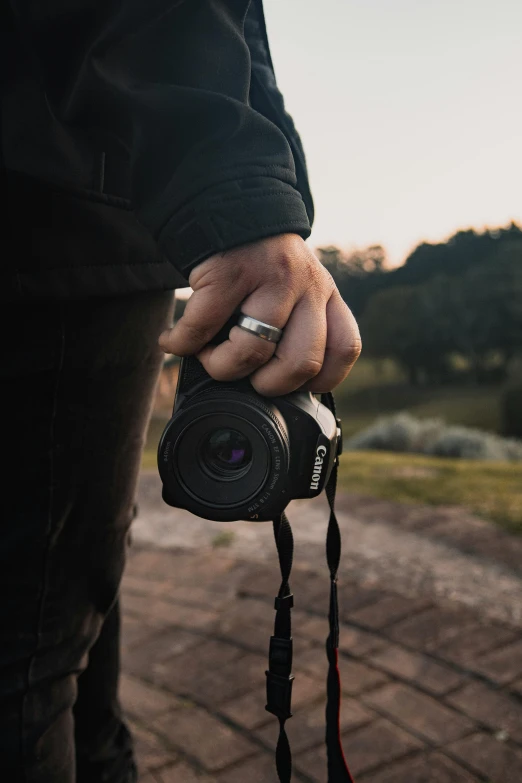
point(281, 282)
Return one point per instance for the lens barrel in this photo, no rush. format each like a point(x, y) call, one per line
point(226, 452)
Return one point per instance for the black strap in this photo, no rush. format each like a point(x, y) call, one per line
point(338, 771)
point(279, 675)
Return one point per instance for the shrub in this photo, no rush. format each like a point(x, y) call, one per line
point(402, 432)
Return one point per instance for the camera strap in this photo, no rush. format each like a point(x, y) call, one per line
point(279, 677)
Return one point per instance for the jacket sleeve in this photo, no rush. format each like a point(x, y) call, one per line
point(266, 97)
point(171, 80)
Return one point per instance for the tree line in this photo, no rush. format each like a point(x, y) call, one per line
point(452, 307)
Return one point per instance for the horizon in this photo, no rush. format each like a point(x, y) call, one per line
point(182, 293)
point(442, 241)
point(347, 249)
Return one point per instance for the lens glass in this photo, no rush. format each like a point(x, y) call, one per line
point(226, 452)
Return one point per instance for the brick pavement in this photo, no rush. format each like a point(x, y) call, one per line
point(432, 691)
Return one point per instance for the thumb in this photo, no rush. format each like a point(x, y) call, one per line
point(206, 312)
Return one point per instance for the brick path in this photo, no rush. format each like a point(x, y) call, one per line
point(432, 690)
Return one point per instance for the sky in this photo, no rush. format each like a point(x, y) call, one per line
point(410, 112)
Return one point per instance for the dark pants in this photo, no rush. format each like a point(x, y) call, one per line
point(77, 382)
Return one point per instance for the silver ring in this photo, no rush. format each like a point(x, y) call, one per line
point(267, 332)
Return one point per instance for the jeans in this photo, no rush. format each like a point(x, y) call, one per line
point(77, 382)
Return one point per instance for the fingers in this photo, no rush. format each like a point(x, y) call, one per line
point(207, 310)
point(277, 269)
point(343, 346)
point(243, 353)
point(299, 355)
point(278, 281)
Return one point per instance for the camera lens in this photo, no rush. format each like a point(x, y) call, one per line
point(226, 453)
point(227, 450)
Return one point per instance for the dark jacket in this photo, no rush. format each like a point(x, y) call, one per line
point(139, 137)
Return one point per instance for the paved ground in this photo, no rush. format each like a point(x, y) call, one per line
point(431, 645)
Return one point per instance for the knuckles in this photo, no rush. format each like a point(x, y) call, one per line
point(253, 357)
point(305, 367)
point(282, 275)
point(348, 353)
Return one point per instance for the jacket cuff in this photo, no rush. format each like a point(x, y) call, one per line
point(229, 215)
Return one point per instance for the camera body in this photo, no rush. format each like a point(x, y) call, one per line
point(230, 454)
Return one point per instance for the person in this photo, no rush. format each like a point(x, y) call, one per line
point(145, 146)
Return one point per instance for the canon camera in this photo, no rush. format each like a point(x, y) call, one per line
point(229, 454)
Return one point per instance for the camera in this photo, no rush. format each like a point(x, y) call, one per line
point(230, 454)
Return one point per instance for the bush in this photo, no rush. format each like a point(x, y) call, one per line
point(404, 433)
point(400, 432)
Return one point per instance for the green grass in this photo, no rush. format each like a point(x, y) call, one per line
point(491, 489)
point(224, 539)
point(148, 460)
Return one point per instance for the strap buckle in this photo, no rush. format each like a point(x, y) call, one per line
point(279, 679)
point(279, 695)
point(280, 656)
